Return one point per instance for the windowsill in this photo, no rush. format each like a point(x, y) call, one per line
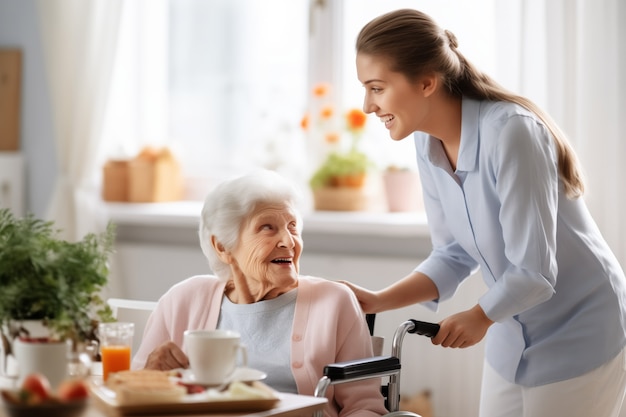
point(186, 214)
point(340, 233)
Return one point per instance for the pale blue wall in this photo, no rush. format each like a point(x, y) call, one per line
point(19, 29)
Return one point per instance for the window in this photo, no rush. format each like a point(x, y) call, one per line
point(226, 82)
point(237, 81)
point(222, 82)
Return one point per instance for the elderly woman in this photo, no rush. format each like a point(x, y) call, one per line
point(292, 325)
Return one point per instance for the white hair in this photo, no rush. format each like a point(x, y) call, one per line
point(228, 205)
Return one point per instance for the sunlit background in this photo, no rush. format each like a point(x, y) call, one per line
point(226, 82)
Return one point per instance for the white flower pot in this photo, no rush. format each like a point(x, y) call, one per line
point(47, 358)
point(403, 190)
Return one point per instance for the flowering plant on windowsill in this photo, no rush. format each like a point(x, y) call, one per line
point(345, 165)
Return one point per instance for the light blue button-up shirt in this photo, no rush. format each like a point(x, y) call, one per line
point(556, 291)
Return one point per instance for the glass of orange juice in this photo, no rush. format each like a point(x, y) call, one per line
point(116, 338)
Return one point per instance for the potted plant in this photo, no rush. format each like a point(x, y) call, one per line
point(403, 189)
point(342, 170)
point(50, 280)
point(338, 182)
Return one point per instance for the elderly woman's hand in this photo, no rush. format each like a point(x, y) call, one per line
point(167, 356)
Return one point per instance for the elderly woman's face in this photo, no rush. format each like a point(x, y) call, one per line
point(270, 245)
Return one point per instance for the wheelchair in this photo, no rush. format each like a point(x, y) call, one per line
point(377, 367)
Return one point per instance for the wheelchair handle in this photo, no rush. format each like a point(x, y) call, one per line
point(424, 328)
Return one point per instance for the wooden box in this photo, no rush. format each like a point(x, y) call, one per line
point(154, 178)
point(115, 181)
point(10, 88)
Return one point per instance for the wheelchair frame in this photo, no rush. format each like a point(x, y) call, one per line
point(377, 366)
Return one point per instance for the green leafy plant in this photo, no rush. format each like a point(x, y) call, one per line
point(342, 169)
point(43, 277)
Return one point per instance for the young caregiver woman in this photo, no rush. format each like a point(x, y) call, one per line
point(503, 193)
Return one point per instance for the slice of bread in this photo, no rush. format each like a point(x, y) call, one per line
point(243, 391)
point(145, 387)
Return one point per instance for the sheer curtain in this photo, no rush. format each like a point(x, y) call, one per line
point(571, 59)
point(79, 40)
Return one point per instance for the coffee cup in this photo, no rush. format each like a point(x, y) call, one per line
point(213, 354)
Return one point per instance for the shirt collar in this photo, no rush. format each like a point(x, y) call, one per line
point(468, 151)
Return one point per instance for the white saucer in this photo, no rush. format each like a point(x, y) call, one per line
point(242, 374)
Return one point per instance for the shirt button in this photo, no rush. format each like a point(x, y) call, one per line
point(297, 365)
point(297, 338)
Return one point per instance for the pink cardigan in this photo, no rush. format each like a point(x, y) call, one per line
point(328, 327)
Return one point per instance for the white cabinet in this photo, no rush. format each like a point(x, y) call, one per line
point(12, 182)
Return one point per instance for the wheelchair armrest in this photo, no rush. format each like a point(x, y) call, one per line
point(361, 367)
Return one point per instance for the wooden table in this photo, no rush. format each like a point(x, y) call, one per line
point(290, 405)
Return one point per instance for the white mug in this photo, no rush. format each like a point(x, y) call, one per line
point(213, 354)
point(48, 358)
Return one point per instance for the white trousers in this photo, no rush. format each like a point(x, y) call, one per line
point(598, 393)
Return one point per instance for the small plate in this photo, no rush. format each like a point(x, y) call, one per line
point(242, 374)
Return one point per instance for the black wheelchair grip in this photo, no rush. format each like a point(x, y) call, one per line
point(424, 328)
point(361, 367)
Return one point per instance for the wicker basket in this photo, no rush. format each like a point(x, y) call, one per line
point(340, 198)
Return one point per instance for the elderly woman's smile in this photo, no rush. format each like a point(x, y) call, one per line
point(265, 262)
point(282, 261)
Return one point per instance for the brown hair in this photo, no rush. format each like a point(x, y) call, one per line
point(414, 44)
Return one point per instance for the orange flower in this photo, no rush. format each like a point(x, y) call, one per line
point(326, 113)
point(356, 119)
point(321, 90)
point(304, 123)
point(332, 137)
point(325, 117)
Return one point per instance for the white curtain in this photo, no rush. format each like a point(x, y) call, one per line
point(571, 60)
point(79, 41)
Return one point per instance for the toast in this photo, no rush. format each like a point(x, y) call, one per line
point(145, 387)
